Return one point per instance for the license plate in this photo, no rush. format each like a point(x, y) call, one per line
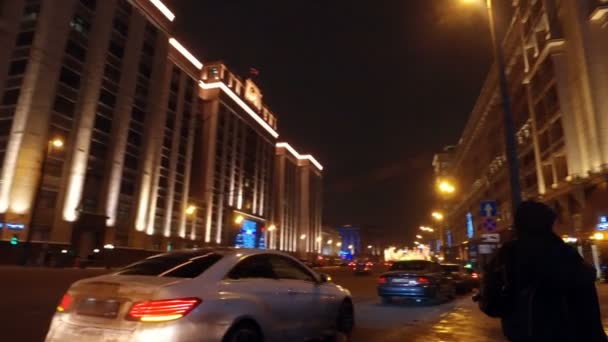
point(98, 308)
point(401, 280)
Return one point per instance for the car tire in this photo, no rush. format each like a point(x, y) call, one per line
point(345, 322)
point(243, 332)
point(386, 300)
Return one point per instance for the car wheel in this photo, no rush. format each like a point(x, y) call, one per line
point(387, 300)
point(244, 332)
point(345, 322)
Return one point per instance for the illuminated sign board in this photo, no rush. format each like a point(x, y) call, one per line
point(12, 226)
point(248, 236)
point(603, 224)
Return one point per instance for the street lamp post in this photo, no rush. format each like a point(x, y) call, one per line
point(509, 125)
point(56, 143)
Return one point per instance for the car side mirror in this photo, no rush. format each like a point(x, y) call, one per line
point(325, 278)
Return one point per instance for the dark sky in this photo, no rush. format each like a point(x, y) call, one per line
point(372, 88)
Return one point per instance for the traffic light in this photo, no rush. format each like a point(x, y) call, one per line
point(14, 240)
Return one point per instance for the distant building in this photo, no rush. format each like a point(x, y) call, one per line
point(556, 54)
point(298, 201)
point(331, 241)
point(351, 241)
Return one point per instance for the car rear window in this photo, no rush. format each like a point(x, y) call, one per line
point(414, 265)
point(172, 265)
point(451, 268)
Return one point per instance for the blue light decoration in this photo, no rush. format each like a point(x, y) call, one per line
point(449, 238)
point(603, 224)
point(438, 245)
point(262, 240)
point(247, 237)
point(470, 227)
point(15, 226)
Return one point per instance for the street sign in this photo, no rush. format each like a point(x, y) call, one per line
point(490, 238)
point(489, 209)
point(486, 249)
point(489, 224)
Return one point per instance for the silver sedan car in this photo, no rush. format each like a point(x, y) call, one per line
point(205, 295)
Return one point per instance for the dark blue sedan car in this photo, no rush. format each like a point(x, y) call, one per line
point(416, 279)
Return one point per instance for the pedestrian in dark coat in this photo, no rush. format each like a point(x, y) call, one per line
point(540, 287)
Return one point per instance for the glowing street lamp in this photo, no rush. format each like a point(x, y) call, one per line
point(437, 215)
point(190, 210)
point(303, 236)
point(57, 143)
point(319, 239)
point(446, 188)
point(329, 242)
point(239, 219)
point(419, 236)
point(272, 228)
point(369, 247)
point(339, 244)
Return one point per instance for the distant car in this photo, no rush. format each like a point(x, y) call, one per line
point(462, 280)
point(363, 267)
point(417, 279)
point(218, 294)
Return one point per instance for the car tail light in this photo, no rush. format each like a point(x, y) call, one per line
point(423, 280)
point(474, 275)
point(382, 280)
point(162, 310)
point(369, 264)
point(66, 302)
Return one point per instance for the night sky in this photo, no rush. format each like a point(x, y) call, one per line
point(372, 88)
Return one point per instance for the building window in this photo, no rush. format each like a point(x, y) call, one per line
point(134, 138)
point(130, 162)
point(69, 78)
point(5, 127)
point(127, 188)
point(117, 49)
point(31, 12)
point(90, 4)
point(121, 26)
point(112, 73)
point(103, 124)
point(98, 150)
point(107, 98)
point(138, 115)
point(11, 96)
point(64, 106)
point(25, 38)
point(48, 199)
point(75, 50)
point(79, 24)
point(18, 67)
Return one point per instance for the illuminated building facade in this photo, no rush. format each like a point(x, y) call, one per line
point(557, 57)
point(298, 202)
point(234, 158)
point(113, 133)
